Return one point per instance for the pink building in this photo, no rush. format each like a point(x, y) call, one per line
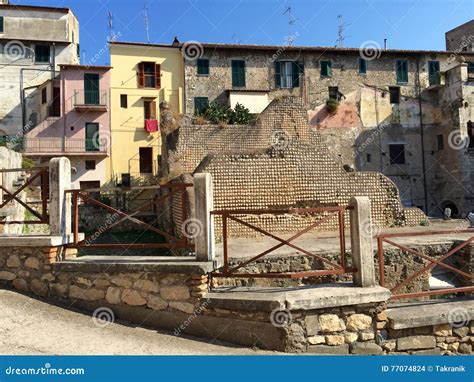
point(77, 123)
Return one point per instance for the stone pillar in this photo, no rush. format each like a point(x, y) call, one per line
point(204, 204)
point(361, 242)
point(59, 201)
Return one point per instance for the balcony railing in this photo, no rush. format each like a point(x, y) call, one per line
point(95, 99)
point(68, 146)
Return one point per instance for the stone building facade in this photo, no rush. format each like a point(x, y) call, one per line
point(33, 42)
point(461, 38)
point(398, 111)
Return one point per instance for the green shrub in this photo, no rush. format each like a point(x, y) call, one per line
point(241, 115)
point(217, 113)
point(27, 163)
point(424, 223)
point(331, 106)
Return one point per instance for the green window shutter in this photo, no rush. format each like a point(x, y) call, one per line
point(238, 73)
point(326, 68)
point(362, 66)
point(433, 73)
point(298, 70)
point(1, 24)
point(202, 66)
point(402, 71)
point(200, 105)
point(277, 74)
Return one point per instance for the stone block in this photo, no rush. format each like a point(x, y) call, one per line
point(335, 339)
point(83, 281)
point(453, 346)
point(366, 336)
point(329, 350)
point(465, 348)
point(350, 337)
point(122, 281)
point(435, 351)
point(114, 295)
point(182, 306)
point(175, 292)
point(101, 283)
point(133, 297)
point(156, 302)
point(146, 286)
point(312, 325)
point(20, 284)
point(382, 316)
point(329, 323)
point(90, 294)
point(416, 342)
point(381, 325)
point(8, 276)
point(48, 277)
point(13, 262)
point(462, 331)
point(32, 262)
point(39, 287)
point(442, 330)
point(58, 289)
point(365, 348)
point(358, 322)
point(316, 340)
point(390, 345)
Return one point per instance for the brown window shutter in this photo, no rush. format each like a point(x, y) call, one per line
point(158, 76)
point(153, 110)
point(141, 75)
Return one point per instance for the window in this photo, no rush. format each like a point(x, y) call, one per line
point(123, 101)
point(145, 160)
point(369, 158)
point(470, 70)
point(203, 66)
point(200, 105)
point(402, 71)
point(397, 153)
point(149, 75)
point(287, 74)
point(92, 137)
point(44, 96)
point(238, 73)
point(362, 66)
point(42, 53)
point(149, 109)
point(470, 134)
point(440, 142)
point(434, 73)
point(90, 164)
point(326, 68)
point(1, 24)
point(91, 89)
point(334, 93)
point(394, 94)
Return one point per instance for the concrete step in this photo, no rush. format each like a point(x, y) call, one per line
point(427, 313)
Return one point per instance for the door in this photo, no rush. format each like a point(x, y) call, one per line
point(55, 107)
point(146, 160)
point(92, 137)
point(91, 89)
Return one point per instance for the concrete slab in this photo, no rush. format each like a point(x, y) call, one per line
point(297, 298)
point(37, 240)
point(429, 313)
point(163, 264)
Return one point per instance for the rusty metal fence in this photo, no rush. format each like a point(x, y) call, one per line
point(425, 269)
point(237, 216)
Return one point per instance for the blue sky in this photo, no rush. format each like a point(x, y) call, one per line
point(407, 24)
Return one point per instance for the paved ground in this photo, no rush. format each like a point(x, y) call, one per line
point(326, 242)
point(29, 326)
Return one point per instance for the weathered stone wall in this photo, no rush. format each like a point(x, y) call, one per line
point(461, 38)
point(35, 270)
point(279, 163)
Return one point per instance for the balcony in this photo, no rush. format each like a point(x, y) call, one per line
point(90, 100)
point(55, 146)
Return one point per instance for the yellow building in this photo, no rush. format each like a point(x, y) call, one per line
point(143, 76)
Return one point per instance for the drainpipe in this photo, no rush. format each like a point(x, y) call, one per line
point(422, 136)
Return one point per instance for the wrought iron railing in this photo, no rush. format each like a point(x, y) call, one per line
point(68, 145)
point(90, 98)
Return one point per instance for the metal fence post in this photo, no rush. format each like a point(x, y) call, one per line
point(361, 242)
point(59, 200)
point(204, 204)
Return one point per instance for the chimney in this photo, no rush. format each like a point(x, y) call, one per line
point(385, 44)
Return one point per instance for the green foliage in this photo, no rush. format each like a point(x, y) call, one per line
point(28, 163)
point(332, 105)
point(424, 223)
point(217, 113)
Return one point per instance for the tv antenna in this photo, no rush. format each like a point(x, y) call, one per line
point(145, 19)
point(236, 39)
point(291, 21)
point(110, 25)
point(341, 35)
